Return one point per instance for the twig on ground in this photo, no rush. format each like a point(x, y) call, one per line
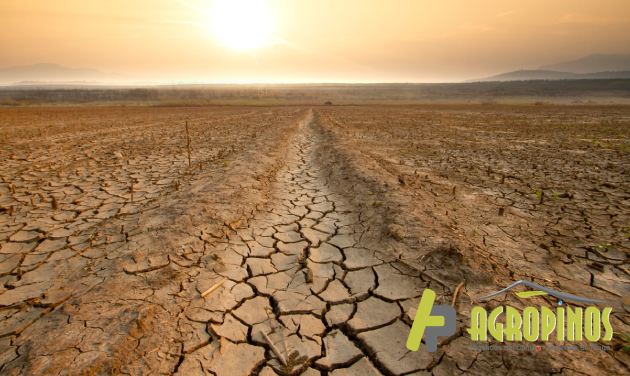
point(211, 289)
point(457, 291)
point(274, 348)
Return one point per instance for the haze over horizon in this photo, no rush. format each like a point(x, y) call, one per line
point(283, 41)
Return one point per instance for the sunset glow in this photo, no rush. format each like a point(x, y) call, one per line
point(241, 24)
point(295, 41)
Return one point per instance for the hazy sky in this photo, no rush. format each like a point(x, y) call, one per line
point(310, 41)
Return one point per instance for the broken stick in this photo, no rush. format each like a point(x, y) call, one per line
point(211, 289)
point(188, 137)
point(274, 348)
point(457, 291)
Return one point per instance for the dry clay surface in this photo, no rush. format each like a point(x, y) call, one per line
point(322, 246)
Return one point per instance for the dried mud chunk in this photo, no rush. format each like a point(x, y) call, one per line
point(360, 282)
point(202, 315)
point(129, 209)
point(233, 272)
point(194, 335)
point(265, 241)
point(322, 273)
point(31, 260)
point(461, 352)
point(300, 211)
point(340, 351)
point(48, 246)
point(64, 217)
point(327, 226)
point(258, 266)
point(394, 285)
point(361, 368)
point(12, 248)
point(272, 283)
point(283, 262)
point(301, 351)
point(322, 207)
point(236, 359)
point(45, 273)
point(325, 253)
point(7, 352)
point(335, 293)
point(291, 302)
point(608, 281)
point(231, 329)
point(25, 236)
point(106, 214)
point(19, 320)
point(146, 264)
point(343, 241)
point(309, 325)
point(389, 347)
point(60, 233)
point(314, 236)
point(373, 313)
point(229, 256)
point(242, 291)
point(10, 263)
point(257, 250)
point(23, 293)
point(73, 240)
point(288, 237)
point(447, 367)
point(357, 258)
point(55, 297)
point(292, 248)
point(254, 311)
point(339, 314)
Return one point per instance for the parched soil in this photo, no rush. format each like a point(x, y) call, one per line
point(321, 227)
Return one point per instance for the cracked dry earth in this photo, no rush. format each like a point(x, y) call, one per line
point(315, 281)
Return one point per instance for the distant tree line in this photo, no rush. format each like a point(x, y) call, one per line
point(325, 92)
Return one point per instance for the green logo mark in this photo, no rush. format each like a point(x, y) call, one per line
point(438, 321)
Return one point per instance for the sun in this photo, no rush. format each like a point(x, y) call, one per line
point(241, 24)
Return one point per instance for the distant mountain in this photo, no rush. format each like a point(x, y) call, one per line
point(527, 75)
point(592, 64)
point(55, 73)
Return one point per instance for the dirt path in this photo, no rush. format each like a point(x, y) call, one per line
point(313, 283)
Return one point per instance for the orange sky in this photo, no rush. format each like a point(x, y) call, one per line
point(310, 41)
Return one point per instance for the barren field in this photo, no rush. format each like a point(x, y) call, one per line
point(299, 240)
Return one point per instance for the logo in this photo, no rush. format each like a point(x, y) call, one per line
point(534, 323)
point(434, 320)
point(569, 324)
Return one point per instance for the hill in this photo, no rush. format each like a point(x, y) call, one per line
point(55, 73)
point(527, 75)
point(592, 64)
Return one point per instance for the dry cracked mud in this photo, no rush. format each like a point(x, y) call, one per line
point(321, 255)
